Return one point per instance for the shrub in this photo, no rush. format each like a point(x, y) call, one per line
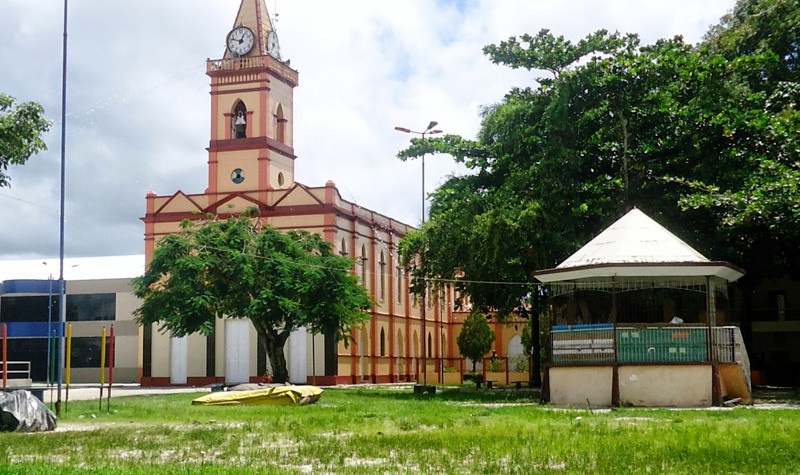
point(496, 365)
point(473, 377)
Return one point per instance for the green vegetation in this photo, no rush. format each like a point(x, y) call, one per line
point(243, 268)
point(21, 130)
point(475, 338)
point(703, 138)
point(396, 431)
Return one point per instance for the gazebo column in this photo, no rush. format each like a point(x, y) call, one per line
point(615, 366)
point(711, 320)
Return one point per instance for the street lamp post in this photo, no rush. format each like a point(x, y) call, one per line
point(61, 289)
point(428, 131)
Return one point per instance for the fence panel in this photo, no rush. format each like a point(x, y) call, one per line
point(585, 345)
point(661, 345)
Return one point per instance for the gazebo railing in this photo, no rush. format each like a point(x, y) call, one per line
point(631, 344)
point(582, 344)
point(662, 345)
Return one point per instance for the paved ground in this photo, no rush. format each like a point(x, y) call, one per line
point(79, 392)
point(765, 397)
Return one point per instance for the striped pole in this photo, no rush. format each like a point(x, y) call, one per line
point(5, 360)
point(53, 344)
point(110, 366)
point(68, 370)
point(102, 364)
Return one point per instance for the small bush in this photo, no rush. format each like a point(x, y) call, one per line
point(496, 365)
point(473, 377)
point(518, 363)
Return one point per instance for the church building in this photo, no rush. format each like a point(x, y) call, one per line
point(251, 164)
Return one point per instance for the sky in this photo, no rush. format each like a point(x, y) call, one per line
point(138, 98)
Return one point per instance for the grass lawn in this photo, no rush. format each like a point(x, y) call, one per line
point(396, 431)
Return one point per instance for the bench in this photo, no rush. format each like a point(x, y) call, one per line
point(489, 383)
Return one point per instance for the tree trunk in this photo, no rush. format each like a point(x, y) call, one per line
point(273, 346)
point(536, 363)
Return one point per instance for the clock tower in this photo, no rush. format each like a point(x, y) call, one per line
point(251, 147)
point(251, 167)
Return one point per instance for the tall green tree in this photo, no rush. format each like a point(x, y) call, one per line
point(21, 129)
point(475, 338)
point(705, 138)
point(243, 268)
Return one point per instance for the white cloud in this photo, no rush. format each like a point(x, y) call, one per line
point(139, 107)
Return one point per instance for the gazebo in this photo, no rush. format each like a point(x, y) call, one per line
point(640, 319)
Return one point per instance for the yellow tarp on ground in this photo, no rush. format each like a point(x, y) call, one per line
point(288, 395)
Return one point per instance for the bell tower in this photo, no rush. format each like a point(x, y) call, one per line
point(251, 146)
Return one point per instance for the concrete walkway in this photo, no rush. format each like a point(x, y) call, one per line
point(80, 392)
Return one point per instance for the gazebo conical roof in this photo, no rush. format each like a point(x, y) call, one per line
point(637, 246)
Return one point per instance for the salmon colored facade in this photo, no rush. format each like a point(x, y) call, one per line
point(251, 164)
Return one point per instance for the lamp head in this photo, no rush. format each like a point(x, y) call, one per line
point(403, 129)
point(432, 125)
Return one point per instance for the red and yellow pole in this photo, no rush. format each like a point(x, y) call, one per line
point(69, 363)
point(110, 366)
point(5, 359)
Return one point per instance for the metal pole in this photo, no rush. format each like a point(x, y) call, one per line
point(62, 290)
point(110, 367)
point(68, 360)
point(441, 347)
point(424, 284)
point(102, 364)
point(313, 360)
point(428, 130)
point(3, 336)
point(49, 334)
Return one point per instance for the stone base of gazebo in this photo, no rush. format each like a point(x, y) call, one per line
point(647, 385)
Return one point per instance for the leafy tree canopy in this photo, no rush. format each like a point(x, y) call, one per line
point(243, 268)
point(475, 338)
point(21, 128)
point(705, 138)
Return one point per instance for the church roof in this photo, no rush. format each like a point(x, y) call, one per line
point(636, 245)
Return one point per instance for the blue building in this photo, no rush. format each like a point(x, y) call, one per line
point(98, 295)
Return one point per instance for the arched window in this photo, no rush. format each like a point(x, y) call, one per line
point(382, 287)
point(383, 343)
point(239, 121)
point(280, 125)
point(363, 345)
point(398, 354)
point(281, 180)
point(343, 249)
point(399, 283)
point(364, 265)
point(430, 341)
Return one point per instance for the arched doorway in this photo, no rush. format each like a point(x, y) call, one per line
point(414, 355)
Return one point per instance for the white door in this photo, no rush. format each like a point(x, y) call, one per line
point(177, 360)
point(237, 351)
point(297, 360)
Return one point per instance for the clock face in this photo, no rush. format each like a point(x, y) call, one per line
point(240, 40)
point(273, 48)
point(237, 176)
